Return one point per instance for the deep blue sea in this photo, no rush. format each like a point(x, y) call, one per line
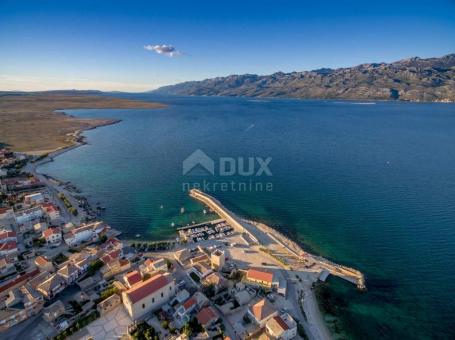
point(367, 185)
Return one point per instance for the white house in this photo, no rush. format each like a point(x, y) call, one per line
point(85, 233)
point(53, 236)
point(35, 198)
point(27, 215)
point(148, 295)
point(281, 327)
point(52, 211)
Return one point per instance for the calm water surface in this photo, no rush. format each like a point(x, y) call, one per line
point(372, 186)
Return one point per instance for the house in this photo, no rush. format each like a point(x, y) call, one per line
point(183, 311)
point(148, 295)
point(8, 248)
point(16, 282)
point(53, 236)
point(69, 273)
point(35, 198)
point(261, 277)
point(262, 311)
point(216, 280)
point(7, 265)
point(182, 255)
point(52, 211)
point(44, 264)
point(198, 259)
point(82, 262)
point(218, 259)
point(207, 317)
point(132, 278)
point(7, 236)
point(281, 327)
point(115, 267)
point(147, 266)
point(55, 310)
point(51, 286)
point(27, 215)
point(21, 304)
point(112, 244)
point(85, 233)
point(108, 304)
point(201, 269)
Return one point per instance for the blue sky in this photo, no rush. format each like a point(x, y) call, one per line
point(100, 44)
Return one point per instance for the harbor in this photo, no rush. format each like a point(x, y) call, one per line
point(268, 237)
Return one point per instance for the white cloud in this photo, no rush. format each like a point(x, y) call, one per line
point(167, 50)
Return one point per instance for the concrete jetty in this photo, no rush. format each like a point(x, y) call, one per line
point(264, 235)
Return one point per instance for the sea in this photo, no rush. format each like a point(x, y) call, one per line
point(366, 184)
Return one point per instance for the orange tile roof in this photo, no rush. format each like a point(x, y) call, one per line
point(259, 275)
point(206, 315)
point(147, 287)
point(41, 261)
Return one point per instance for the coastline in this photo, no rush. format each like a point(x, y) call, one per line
point(317, 325)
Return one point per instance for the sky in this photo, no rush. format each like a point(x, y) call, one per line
point(138, 46)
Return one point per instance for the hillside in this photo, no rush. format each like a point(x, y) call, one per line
point(413, 79)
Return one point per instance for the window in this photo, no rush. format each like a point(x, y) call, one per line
point(143, 305)
point(162, 294)
point(153, 300)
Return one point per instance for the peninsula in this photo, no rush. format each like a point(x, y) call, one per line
point(30, 122)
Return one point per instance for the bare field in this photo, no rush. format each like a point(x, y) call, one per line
point(29, 123)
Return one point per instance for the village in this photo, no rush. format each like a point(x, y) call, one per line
point(66, 274)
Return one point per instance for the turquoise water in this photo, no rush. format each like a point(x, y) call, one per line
point(372, 186)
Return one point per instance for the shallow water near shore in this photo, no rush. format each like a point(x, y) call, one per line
point(370, 186)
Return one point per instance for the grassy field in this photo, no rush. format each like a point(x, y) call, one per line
point(29, 123)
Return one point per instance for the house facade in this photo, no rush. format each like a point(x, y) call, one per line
point(148, 295)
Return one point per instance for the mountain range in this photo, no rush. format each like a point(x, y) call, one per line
point(413, 79)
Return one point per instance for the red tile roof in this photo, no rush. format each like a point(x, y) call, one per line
point(133, 277)
point(259, 275)
point(281, 322)
point(7, 234)
point(10, 245)
point(262, 309)
point(51, 231)
point(189, 303)
point(19, 279)
point(113, 255)
point(147, 287)
point(206, 315)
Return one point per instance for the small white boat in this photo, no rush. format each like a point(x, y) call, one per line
point(161, 206)
point(204, 211)
point(172, 224)
point(182, 210)
point(138, 235)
